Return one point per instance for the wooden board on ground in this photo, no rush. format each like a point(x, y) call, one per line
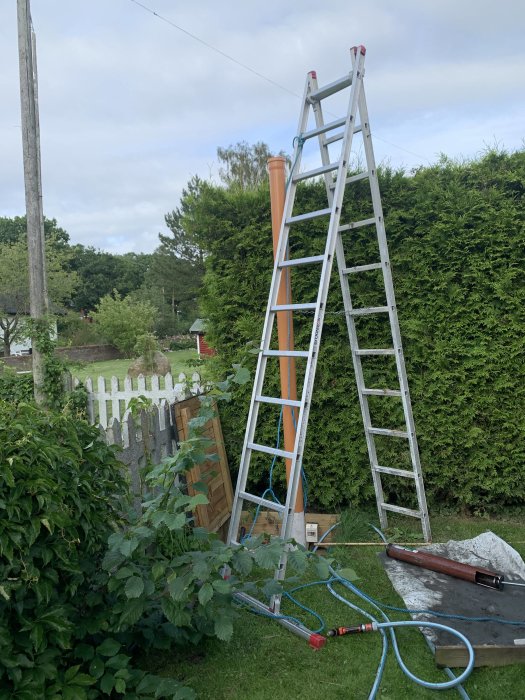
point(494, 644)
point(220, 493)
point(270, 523)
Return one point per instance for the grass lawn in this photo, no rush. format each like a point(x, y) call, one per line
point(265, 662)
point(186, 361)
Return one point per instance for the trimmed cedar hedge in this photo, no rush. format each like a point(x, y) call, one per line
point(457, 244)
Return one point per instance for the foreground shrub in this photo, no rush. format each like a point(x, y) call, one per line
point(59, 492)
point(85, 590)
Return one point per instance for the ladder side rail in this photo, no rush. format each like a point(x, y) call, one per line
point(394, 321)
point(266, 336)
point(350, 324)
point(322, 296)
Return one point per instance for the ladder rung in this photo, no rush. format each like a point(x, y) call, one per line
point(338, 137)
point(395, 472)
point(323, 129)
point(400, 509)
point(285, 353)
point(357, 224)
point(362, 268)
point(375, 351)
point(353, 178)
point(316, 171)
point(310, 215)
point(381, 392)
point(369, 310)
point(302, 261)
point(281, 402)
point(270, 450)
point(334, 139)
point(331, 88)
point(388, 431)
point(294, 307)
point(262, 501)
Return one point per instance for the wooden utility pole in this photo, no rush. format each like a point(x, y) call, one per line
point(33, 191)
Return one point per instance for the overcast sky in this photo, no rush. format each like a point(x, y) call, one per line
point(131, 107)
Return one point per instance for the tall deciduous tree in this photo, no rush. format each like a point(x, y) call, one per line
point(100, 272)
point(244, 166)
point(14, 229)
point(14, 286)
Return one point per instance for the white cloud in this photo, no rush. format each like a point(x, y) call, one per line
point(131, 107)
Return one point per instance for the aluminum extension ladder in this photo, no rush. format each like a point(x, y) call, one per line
point(342, 129)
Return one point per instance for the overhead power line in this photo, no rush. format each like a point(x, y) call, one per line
point(214, 48)
point(249, 68)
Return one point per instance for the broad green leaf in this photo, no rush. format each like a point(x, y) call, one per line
point(120, 685)
point(205, 593)
point(198, 500)
point(175, 521)
point(157, 570)
point(127, 547)
point(132, 612)
point(298, 559)
point(178, 587)
point(46, 524)
point(109, 647)
point(71, 673)
point(134, 587)
point(268, 555)
point(37, 637)
point(107, 683)
point(223, 627)
point(73, 692)
point(242, 562)
point(242, 375)
point(272, 587)
point(177, 613)
point(321, 565)
point(123, 572)
point(83, 679)
point(222, 586)
point(348, 574)
point(96, 667)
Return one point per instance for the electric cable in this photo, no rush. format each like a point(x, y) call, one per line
point(250, 69)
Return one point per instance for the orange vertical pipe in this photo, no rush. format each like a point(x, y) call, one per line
point(277, 173)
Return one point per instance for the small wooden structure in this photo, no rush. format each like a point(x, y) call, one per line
point(199, 329)
point(215, 474)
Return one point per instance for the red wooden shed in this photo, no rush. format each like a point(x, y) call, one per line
point(199, 328)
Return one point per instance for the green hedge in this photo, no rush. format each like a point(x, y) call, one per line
point(457, 244)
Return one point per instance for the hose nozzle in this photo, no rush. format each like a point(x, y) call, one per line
point(357, 629)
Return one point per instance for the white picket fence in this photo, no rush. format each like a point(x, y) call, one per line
point(105, 403)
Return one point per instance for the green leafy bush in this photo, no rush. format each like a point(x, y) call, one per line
point(122, 320)
point(457, 239)
point(84, 590)
point(182, 342)
point(15, 388)
point(60, 490)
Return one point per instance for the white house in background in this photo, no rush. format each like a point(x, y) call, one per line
point(9, 310)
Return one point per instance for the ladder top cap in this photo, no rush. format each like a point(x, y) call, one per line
point(360, 48)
